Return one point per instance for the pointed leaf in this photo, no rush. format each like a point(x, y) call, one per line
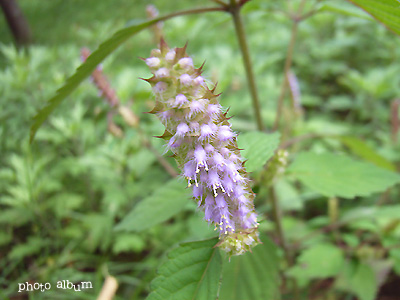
point(385, 11)
point(340, 176)
point(258, 148)
point(252, 276)
point(84, 71)
point(166, 202)
point(192, 272)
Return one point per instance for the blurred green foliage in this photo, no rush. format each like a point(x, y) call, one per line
point(62, 197)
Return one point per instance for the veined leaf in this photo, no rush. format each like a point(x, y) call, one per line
point(252, 276)
point(258, 148)
point(340, 176)
point(385, 11)
point(192, 272)
point(166, 202)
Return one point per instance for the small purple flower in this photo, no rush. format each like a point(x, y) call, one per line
point(180, 100)
point(185, 79)
point(170, 56)
point(160, 87)
point(153, 62)
point(185, 63)
point(206, 132)
point(161, 73)
point(182, 129)
point(198, 80)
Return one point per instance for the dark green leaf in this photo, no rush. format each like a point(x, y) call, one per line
point(258, 148)
point(192, 272)
point(166, 202)
point(385, 11)
point(252, 276)
point(340, 176)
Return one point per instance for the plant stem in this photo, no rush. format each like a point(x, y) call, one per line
point(281, 235)
point(288, 63)
point(234, 9)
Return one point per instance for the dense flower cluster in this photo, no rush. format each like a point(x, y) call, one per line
point(204, 145)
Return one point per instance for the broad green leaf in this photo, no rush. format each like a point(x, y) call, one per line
point(166, 202)
point(385, 11)
point(258, 148)
point(359, 279)
point(335, 175)
point(192, 272)
point(319, 261)
point(361, 149)
point(343, 8)
point(252, 276)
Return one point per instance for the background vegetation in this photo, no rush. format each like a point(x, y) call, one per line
point(65, 199)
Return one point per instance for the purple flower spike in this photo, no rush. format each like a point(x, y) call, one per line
point(205, 147)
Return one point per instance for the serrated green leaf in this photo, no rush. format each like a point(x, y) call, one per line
point(335, 175)
point(192, 272)
point(385, 11)
point(252, 276)
point(166, 202)
point(258, 148)
point(84, 71)
point(342, 8)
point(319, 261)
point(361, 149)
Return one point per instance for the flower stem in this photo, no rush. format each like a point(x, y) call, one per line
point(288, 63)
point(234, 9)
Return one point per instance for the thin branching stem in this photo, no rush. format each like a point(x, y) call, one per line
point(234, 9)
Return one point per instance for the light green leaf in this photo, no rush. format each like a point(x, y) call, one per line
point(192, 272)
point(258, 148)
point(361, 149)
point(319, 261)
point(252, 276)
point(385, 11)
point(335, 175)
point(127, 242)
point(166, 202)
